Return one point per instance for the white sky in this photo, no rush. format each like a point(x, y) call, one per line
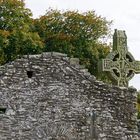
point(124, 13)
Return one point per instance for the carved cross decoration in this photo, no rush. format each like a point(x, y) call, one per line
point(120, 64)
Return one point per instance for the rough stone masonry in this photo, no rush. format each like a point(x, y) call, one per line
point(51, 97)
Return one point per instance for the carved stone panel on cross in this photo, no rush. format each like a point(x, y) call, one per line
point(120, 64)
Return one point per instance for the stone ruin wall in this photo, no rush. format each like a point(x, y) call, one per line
point(51, 97)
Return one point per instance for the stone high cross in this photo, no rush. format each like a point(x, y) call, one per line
point(120, 64)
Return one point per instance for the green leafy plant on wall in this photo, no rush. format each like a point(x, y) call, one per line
point(138, 105)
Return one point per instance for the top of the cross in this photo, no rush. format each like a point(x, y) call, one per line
point(119, 40)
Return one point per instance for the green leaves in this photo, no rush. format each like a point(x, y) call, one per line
point(13, 15)
point(16, 37)
point(21, 43)
point(138, 104)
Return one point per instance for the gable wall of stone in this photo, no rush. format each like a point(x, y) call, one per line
point(62, 101)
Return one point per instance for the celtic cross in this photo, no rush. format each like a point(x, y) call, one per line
point(120, 64)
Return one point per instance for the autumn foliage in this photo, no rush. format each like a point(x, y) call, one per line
point(76, 34)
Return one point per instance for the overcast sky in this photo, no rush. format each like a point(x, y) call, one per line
point(124, 13)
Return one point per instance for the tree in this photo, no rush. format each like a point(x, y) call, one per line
point(76, 34)
point(16, 37)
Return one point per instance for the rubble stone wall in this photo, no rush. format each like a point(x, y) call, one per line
point(51, 97)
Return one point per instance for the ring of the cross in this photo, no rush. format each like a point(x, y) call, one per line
point(121, 66)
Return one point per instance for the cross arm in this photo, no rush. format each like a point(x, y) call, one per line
point(108, 65)
point(135, 66)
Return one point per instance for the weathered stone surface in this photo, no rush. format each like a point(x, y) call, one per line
point(120, 64)
point(56, 102)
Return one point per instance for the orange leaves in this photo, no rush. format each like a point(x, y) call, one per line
point(4, 33)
